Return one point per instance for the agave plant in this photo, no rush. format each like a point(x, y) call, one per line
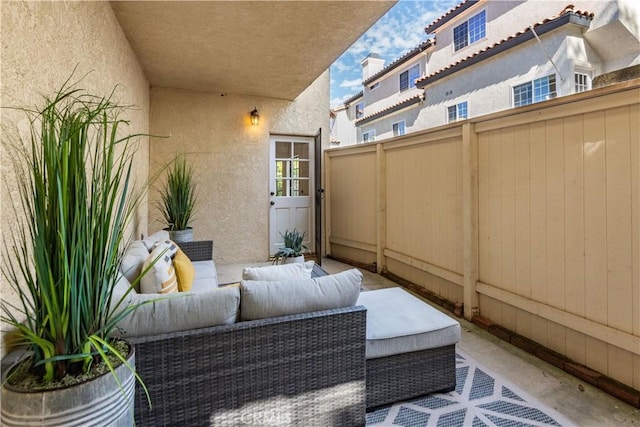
point(292, 245)
point(178, 195)
point(62, 260)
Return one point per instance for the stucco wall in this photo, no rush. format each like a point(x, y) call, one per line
point(42, 42)
point(231, 158)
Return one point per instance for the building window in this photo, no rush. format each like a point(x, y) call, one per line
point(582, 82)
point(369, 136)
point(359, 110)
point(374, 86)
point(409, 77)
point(470, 31)
point(535, 91)
point(457, 112)
point(398, 128)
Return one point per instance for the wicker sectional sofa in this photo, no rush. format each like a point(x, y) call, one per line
point(317, 367)
point(303, 369)
point(279, 370)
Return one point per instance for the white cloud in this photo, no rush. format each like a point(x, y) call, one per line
point(351, 83)
point(337, 102)
point(341, 66)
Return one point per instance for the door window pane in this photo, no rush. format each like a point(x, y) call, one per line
point(283, 150)
point(301, 150)
point(292, 169)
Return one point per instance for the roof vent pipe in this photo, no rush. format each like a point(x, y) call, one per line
point(546, 53)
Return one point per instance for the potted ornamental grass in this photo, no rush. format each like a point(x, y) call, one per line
point(62, 261)
point(178, 200)
point(293, 248)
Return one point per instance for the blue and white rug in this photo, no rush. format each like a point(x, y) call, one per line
point(481, 399)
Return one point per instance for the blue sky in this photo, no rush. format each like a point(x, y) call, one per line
point(398, 31)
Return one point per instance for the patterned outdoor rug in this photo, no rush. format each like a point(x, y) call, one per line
point(481, 398)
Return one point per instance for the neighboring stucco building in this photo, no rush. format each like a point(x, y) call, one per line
point(485, 56)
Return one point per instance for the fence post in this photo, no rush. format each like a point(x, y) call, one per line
point(381, 203)
point(327, 203)
point(470, 218)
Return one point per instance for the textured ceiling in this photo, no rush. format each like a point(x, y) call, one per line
point(266, 48)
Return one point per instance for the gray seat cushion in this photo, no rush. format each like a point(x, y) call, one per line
point(206, 276)
point(398, 322)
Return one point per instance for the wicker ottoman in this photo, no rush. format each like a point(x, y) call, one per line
point(410, 347)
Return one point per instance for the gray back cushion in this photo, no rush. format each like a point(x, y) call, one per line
point(180, 312)
point(263, 299)
point(278, 272)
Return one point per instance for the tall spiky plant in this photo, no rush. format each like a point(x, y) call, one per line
point(292, 246)
point(74, 182)
point(178, 195)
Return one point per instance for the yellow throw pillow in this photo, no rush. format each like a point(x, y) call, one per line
point(184, 271)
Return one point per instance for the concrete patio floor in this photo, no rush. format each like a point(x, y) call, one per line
point(578, 401)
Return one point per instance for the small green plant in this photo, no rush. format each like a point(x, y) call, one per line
point(292, 245)
point(63, 258)
point(178, 195)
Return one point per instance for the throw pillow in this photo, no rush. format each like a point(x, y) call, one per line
point(151, 241)
point(161, 277)
point(263, 299)
point(279, 272)
point(185, 272)
point(133, 259)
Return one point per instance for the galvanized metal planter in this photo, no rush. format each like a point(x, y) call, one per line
point(180, 236)
point(98, 402)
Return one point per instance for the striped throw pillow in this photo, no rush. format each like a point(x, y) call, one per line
point(161, 276)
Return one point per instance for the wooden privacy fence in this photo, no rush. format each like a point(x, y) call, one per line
point(530, 217)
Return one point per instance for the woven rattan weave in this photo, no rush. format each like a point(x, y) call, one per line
point(304, 369)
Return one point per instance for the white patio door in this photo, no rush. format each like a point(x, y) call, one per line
point(290, 188)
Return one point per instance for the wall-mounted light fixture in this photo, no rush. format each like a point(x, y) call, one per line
point(255, 117)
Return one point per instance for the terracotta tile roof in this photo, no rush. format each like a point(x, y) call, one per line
point(390, 109)
point(511, 41)
point(451, 13)
point(354, 97)
point(402, 59)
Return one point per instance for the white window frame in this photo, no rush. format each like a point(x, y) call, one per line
point(533, 88)
point(471, 37)
point(588, 74)
point(410, 82)
point(368, 136)
point(397, 132)
point(459, 109)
